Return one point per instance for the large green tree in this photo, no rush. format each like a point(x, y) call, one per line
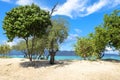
point(112, 25)
point(94, 45)
point(83, 47)
point(27, 22)
point(57, 34)
point(99, 41)
point(106, 34)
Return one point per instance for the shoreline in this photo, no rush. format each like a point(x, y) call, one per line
point(105, 57)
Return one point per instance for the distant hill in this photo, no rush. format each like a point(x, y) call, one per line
point(59, 53)
point(65, 53)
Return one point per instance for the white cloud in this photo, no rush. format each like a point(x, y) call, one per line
point(70, 7)
point(78, 31)
point(68, 44)
point(44, 7)
point(29, 2)
point(81, 8)
point(115, 3)
point(67, 47)
point(11, 43)
point(6, 0)
point(14, 42)
point(24, 2)
point(111, 50)
point(95, 7)
point(72, 37)
point(108, 48)
point(73, 8)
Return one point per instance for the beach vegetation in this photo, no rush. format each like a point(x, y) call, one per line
point(57, 34)
point(4, 50)
point(26, 22)
point(106, 34)
point(83, 47)
point(40, 47)
point(99, 41)
point(93, 45)
point(112, 25)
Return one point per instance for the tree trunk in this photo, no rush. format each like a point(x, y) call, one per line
point(52, 57)
point(84, 56)
point(47, 56)
point(28, 52)
point(30, 57)
point(25, 54)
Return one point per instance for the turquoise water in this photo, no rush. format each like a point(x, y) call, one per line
point(68, 58)
point(115, 57)
point(64, 55)
point(56, 57)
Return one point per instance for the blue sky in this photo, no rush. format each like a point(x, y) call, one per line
point(83, 15)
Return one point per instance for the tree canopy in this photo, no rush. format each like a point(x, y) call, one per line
point(112, 25)
point(26, 22)
point(99, 41)
point(4, 49)
point(57, 34)
point(104, 35)
point(83, 47)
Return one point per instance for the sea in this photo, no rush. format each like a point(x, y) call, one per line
point(66, 55)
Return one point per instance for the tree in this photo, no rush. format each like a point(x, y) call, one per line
point(27, 22)
point(94, 45)
point(83, 47)
point(112, 25)
point(104, 35)
point(99, 41)
point(41, 44)
point(39, 47)
point(4, 49)
point(57, 34)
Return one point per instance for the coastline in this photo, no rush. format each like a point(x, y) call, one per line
point(22, 69)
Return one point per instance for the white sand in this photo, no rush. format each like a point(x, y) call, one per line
point(22, 69)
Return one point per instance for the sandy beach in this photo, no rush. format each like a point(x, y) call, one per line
point(22, 69)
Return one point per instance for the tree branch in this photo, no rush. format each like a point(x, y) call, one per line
point(53, 9)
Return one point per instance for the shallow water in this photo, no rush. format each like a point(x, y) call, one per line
point(64, 55)
point(108, 56)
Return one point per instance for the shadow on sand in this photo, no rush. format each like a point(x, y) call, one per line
point(44, 63)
